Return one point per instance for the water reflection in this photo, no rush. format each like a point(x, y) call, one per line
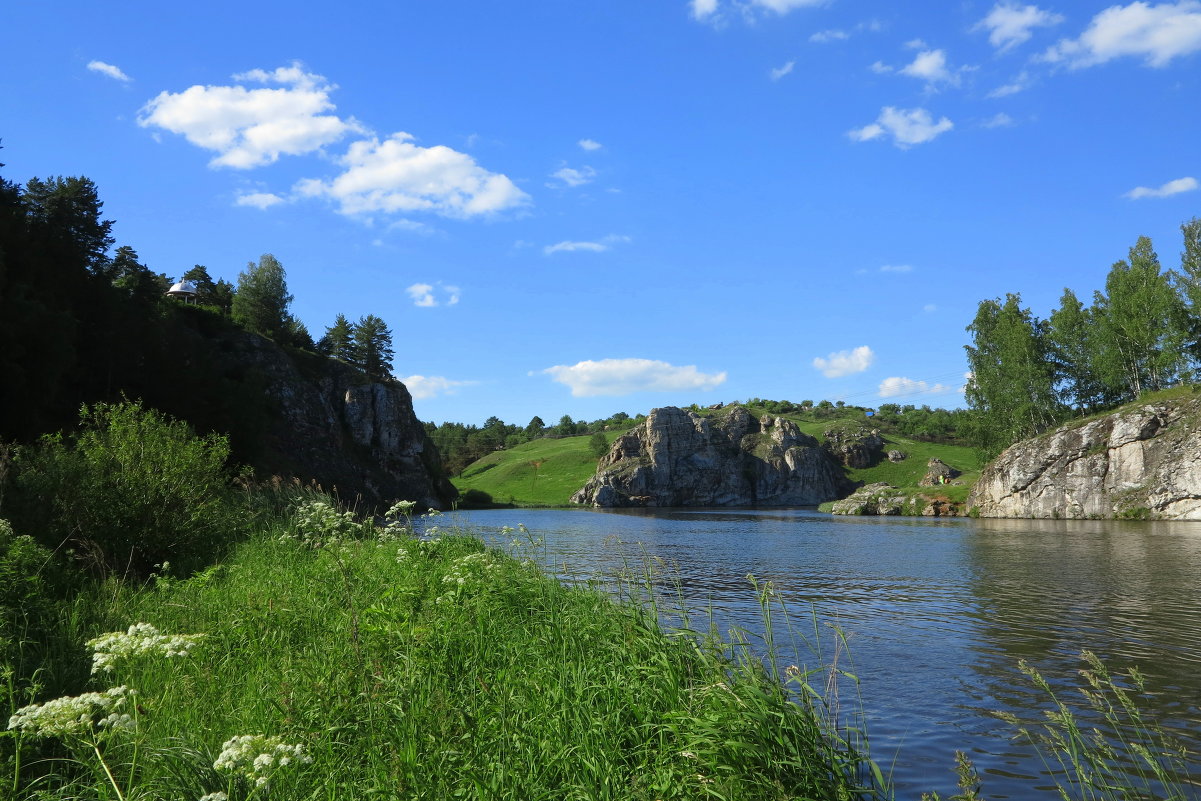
point(936, 612)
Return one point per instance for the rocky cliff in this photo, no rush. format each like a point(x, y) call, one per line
point(1143, 461)
point(328, 425)
point(679, 458)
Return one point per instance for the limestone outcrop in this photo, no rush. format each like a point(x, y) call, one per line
point(882, 498)
point(329, 425)
point(680, 458)
point(938, 472)
point(1143, 461)
point(854, 446)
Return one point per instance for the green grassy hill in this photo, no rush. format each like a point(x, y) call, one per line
point(546, 472)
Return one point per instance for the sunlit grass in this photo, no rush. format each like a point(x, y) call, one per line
point(393, 667)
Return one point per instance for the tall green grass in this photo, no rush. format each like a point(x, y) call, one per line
point(431, 669)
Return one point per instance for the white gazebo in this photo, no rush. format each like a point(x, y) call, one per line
point(183, 290)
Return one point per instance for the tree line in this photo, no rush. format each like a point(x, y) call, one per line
point(1142, 333)
point(81, 322)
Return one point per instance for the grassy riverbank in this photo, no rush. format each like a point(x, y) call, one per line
point(417, 669)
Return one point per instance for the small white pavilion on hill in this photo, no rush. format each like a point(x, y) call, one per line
point(183, 290)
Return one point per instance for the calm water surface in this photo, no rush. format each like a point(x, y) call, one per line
point(937, 613)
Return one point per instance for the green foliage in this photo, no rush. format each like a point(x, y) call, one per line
point(1011, 391)
point(262, 299)
point(132, 490)
point(371, 346)
point(1141, 325)
point(338, 340)
point(1105, 746)
point(599, 444)
point(475, 499)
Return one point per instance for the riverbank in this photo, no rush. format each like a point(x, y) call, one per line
point(368, 662)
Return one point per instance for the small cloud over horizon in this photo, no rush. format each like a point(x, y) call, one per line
point(845, 362)
point(109, 70)
point(899, 386)
point(907, 127)
point(626, 376)
point(569, 246)
point(425, 387)
point(428, 296)
point(1187, 184)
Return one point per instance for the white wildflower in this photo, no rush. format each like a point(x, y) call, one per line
point(256, 757)
point(140, 639)
point(76, 714)
point(217, 796)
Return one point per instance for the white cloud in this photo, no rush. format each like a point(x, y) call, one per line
point(108, 69)
point(423, 387)
point(590, 144)
point(930, 308)
point(845, 362)
point(422, 295)
point(1018, 84)
point(833, 35)
point(779, 72)
point(898, 386)
point(999, 120)
point(916, 44)
point(906, 126)
point(426, 295)
point(930, 66)
point(397, 176)
point(259, 200)
point(784, 6)
point(573, 177)
point(703, 9)
point(1166, 190)
point(1010, 24)
point(626, 376)
point(253, 127)
point(1157, 33)
point(568, 246)
point(880, 68)
point(896, 268)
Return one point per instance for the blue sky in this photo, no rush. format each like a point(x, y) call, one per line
point(582, 208)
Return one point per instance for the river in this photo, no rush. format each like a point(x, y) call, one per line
point(936, 613)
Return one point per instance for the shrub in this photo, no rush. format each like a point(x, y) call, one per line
point(474, 498)
point(132, 490)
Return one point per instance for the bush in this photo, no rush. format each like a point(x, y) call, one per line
point(474, 498)
point(132, 490)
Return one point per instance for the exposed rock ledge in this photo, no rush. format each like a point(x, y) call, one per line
point(1143, 461)
point(884, 499)
point(679, 458)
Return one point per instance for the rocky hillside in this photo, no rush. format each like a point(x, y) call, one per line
point(327, 425)
point(680, 458)
point(1142, 461)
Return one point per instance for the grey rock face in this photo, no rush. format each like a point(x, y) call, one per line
point(1144, 461)
point(897, 456)
point(938, 472)
point(855, 447)
point(360, 440)
point(678, 458)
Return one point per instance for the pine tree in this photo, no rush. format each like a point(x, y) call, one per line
point(373, 348)
point(339, 339)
